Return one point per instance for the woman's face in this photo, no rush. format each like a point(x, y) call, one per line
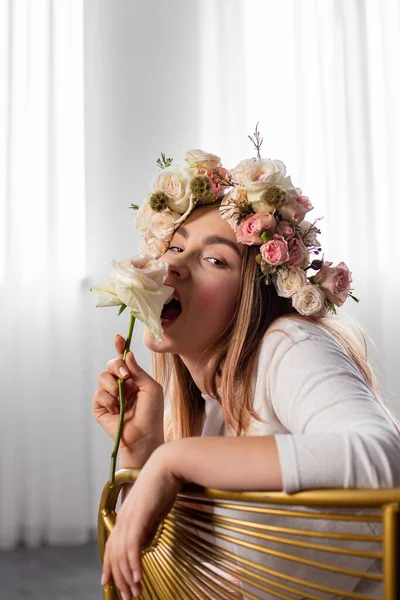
point(204, 268)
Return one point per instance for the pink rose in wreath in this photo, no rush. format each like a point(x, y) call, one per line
point(248, 232)
point(275, 252)
point(334, 282)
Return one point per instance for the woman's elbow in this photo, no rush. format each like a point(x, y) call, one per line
point(374, 460)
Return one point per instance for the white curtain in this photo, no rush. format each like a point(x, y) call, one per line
point(322, 79)
point(44, 409)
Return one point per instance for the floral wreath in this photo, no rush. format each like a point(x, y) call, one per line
point(263, 207)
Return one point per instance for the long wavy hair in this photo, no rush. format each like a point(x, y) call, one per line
point(231, 360)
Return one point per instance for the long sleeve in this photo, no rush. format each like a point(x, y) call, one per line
point(339, 435)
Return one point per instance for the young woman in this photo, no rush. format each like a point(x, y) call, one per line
point(264, 390)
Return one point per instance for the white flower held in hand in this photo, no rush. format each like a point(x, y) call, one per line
point(138, 284)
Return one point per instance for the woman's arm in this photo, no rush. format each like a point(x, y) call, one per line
point(246, 463)
point(229, 463)
point(340, 435)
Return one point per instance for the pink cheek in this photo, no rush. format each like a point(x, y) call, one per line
point(216, 300)
point(209, 297)
point(206, 300)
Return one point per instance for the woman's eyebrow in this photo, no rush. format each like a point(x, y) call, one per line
point(184, 232)
point(216, 239)
point(212, 239)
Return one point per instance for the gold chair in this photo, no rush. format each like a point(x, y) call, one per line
point(226, 545)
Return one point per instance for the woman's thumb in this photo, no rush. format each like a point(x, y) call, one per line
point(139, 375)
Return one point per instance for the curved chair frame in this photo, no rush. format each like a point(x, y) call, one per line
point(173, 558)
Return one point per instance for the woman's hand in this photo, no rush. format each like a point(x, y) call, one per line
point(143, 420)
point(146, 505)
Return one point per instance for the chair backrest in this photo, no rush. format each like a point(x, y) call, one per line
point(221, 545)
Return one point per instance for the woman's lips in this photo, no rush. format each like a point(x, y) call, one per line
point(167, 322)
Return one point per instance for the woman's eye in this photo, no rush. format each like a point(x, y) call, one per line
point(217, 263)
point(175, 249)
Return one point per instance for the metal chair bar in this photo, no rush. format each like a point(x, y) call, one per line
point(286, 513)
point(148, 567)
point(146, 588)
point(204, 572)
point(165, 575)
point(184, 510)
point(232, 559)
point(194, 575)
point(391, 551)
point(109, 519)
point(221, 523)
point(190, 594)
point(279, 554)
point(245, 574)
point(359, 498)
point(198, 578)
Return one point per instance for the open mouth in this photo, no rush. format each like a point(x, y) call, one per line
point(171, 310)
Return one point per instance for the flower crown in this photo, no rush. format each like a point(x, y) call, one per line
point(263, 207)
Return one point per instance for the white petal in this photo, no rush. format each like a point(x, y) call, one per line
point(106, 296)
point(149, 308)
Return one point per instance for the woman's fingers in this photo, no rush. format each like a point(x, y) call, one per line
point(125, 574)
point(104, 402)
point(120, 570)
point(116, 564)
point(142, 379)
point(119, 344)
point(118, 367)
point(106, 381)
point(135, 567)
point(106, 574)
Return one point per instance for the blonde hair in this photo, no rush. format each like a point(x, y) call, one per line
point(232, 358)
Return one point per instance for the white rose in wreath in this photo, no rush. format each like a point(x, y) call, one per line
point(143, 216)
point(162, 224)
point(289, 281)
point(202, 160)
point(175, 183)
point(310, 301)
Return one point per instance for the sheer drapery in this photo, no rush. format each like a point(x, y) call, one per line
point(322, 80)
point(44, 408)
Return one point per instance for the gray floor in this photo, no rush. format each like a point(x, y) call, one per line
point(51, 574)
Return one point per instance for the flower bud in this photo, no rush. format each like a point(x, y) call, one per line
point(316, 265)
point(275, 195)
point(201, 186)
point(158, 201)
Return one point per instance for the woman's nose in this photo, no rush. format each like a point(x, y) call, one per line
point(177, 268)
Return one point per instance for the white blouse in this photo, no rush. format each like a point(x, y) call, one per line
point(330, 432)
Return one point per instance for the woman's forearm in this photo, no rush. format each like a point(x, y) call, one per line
point(229, 463)
point(137, 456)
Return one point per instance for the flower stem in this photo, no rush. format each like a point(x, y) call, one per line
point(120, 382)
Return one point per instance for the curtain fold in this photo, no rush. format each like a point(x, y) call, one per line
point(44, 494)
point(322, 79)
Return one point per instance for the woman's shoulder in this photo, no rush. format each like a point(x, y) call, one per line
point(303, 337)
point(300, 344)
point(293, 329)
